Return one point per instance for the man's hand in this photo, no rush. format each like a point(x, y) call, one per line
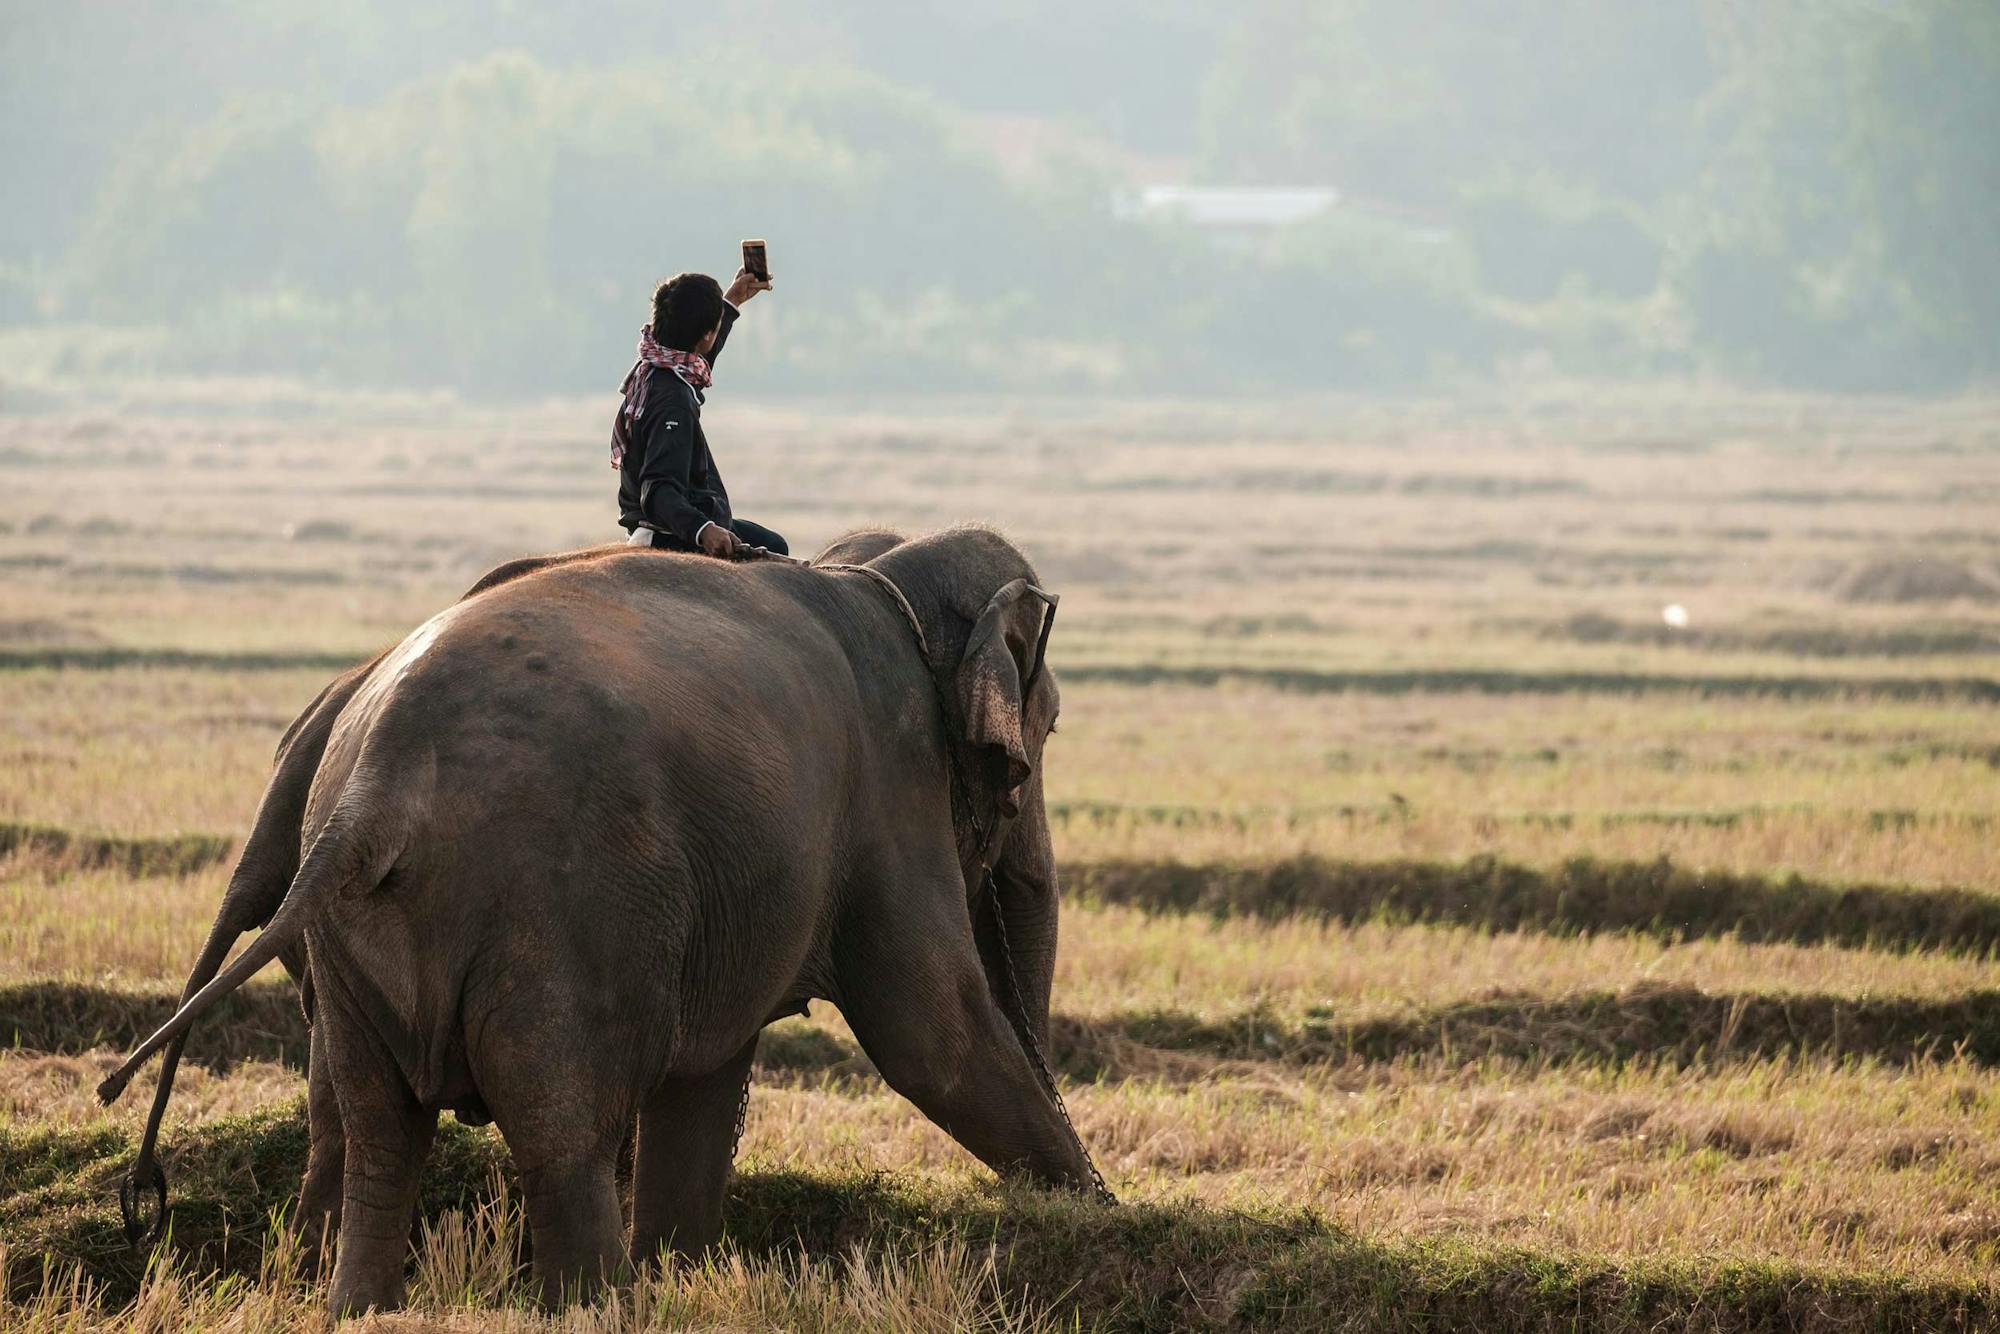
point(744, 286)
point(715, 540)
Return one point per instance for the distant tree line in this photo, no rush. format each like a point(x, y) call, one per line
point(1790, 191)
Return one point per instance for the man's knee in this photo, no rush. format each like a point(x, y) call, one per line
point(757, 535)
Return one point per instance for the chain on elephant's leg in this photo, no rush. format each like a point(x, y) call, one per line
point(1031, 1023)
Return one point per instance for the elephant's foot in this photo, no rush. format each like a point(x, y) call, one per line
point(575, 1227)
point(318, 1216)
point(358, 1289)
point(316, 1233)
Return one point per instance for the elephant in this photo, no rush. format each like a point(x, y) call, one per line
point(264, 870)
point(579, 838)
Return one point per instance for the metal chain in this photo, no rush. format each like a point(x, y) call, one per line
point(742, 1115)
point(1036, 1057)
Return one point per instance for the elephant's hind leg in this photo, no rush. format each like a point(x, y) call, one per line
point(564, 1119)
point(387, 1136)
point(687, 1132)
point(914, 990)
point(319, 1193)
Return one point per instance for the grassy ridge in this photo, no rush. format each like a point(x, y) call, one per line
point(1136, 1267)
point(1970, 689)
point(1184, 816)
point(106, 658)
point(1828, 640)
point(53, 847)
point(1582, 895)
point(258, 1022)
point(1482, 681)
point(1678, 1026)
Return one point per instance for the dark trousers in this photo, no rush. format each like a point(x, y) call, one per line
point(757, 535)
point(753, 534)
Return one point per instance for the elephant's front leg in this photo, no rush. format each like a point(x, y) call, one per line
point(916, 993)
point(687, 1134)
point(1026, 882)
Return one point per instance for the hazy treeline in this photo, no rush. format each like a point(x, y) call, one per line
point(480, 194)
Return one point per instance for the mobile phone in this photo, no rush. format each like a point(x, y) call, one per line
point(755, 261)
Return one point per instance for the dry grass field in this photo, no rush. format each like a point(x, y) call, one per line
point(1451, 941)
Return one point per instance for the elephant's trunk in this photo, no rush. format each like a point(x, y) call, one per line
point(1027, 901)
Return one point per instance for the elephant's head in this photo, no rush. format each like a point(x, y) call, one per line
point(988, 622)
point(1006, 696)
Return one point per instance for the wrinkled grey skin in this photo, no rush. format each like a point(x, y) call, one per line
point(565, 864)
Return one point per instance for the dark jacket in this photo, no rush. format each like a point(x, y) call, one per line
point(669, 481)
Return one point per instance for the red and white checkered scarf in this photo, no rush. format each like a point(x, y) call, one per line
point(690, 366)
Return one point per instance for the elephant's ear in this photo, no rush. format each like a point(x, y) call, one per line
point(1002, 661)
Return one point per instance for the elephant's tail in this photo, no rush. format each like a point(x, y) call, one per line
point(356, 847)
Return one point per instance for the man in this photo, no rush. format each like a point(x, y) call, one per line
point(669, 492)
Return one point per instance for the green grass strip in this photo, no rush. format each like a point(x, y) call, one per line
point(1679, 1026)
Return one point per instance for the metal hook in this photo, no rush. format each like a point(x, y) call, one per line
point(137, 1231)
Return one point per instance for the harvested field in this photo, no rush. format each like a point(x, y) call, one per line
point(1450, 940)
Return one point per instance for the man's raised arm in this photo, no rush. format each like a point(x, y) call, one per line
point(741, 289)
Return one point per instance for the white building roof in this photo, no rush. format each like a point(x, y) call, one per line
point(1231, 205)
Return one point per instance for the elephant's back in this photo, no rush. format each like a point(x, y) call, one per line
point(581, 741)
point(635, 663)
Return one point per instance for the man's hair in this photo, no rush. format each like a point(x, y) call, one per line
point(685, 307)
